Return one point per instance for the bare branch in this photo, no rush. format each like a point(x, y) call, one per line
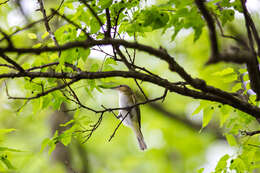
point(251, 24)
point(7, 37)
point(113, 134)
point(108, 32)
point(140, 88)
point(47, 26)
point(17, 66)
point(4, 2)
point(252, 133)
point(253, 65)
point(212, 30)
point(94, 127)
point(42, 93)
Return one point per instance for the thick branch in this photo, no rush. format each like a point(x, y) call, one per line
point(212, 30)
point(234, 102)
point(252, 65)
point(173, 65)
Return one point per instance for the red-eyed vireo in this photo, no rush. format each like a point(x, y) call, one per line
point(130, 117)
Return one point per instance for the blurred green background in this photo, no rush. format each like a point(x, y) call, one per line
point(176, 141)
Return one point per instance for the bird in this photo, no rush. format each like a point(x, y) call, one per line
point(130, 117)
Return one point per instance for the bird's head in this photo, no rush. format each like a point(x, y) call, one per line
point(123, 88)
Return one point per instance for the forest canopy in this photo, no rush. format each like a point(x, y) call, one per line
point(193, 66)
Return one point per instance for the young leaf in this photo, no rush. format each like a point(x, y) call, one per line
point(46, 34)
point(32, 36)
point(207, 116)
point(231, 139)
point(222, 164)
point(6, 162)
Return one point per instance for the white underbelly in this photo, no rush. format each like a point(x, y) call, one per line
point(124, 101)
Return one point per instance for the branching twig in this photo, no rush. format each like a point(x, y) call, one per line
point(253, 64)
point(47, 26)
point(140, 88)
point(113, 134)
point(7, 37)
point(4, 2)
point(212, 30)
point(252, 133)
point(94, 127)
point(42, 93)
point(15, 64)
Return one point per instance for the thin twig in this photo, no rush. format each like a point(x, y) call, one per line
point(15, 64)
point(113, 134)
point(4, 2)
point(47, 26)
point(140, 88)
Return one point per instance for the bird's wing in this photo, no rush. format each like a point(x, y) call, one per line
point(138, 113)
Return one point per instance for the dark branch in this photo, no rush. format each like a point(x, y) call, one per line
point(47, 26)
point(108, 31)
point(252, 133)
point(212, 30)
point(9, 60)
point(253, 65)
point(4, 2)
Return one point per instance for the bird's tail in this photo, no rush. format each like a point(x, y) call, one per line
point(140, 138)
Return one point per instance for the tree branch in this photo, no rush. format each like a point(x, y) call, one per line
point(17, 66)
point(212, 30)
point(47, 26)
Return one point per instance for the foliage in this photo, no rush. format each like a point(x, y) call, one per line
point(67, 61)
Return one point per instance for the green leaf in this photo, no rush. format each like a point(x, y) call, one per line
point(67, 123)
point(5, 131)
point(200, 170)
point(46, 34)
point(94, 25)
point(32, 36)
point(222, 164)
point(37, 45)
point(57, 100)
point(83, 53)
point(207, 116)
point(231, 139)
point(105, 3)
point(238, 165)
point(197, 110)
point(44, 144)
point(6, 162)
point(223, 119)
point(94, 68)
point(227, 15)
point(9, 149)
point(224, 72)
point(236, 87)
point(52, 143)
point(108, 64)
point(237, 6)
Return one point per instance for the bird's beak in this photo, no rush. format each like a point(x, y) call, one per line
point(114, 88)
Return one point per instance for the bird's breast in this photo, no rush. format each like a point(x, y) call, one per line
point(125, 100)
